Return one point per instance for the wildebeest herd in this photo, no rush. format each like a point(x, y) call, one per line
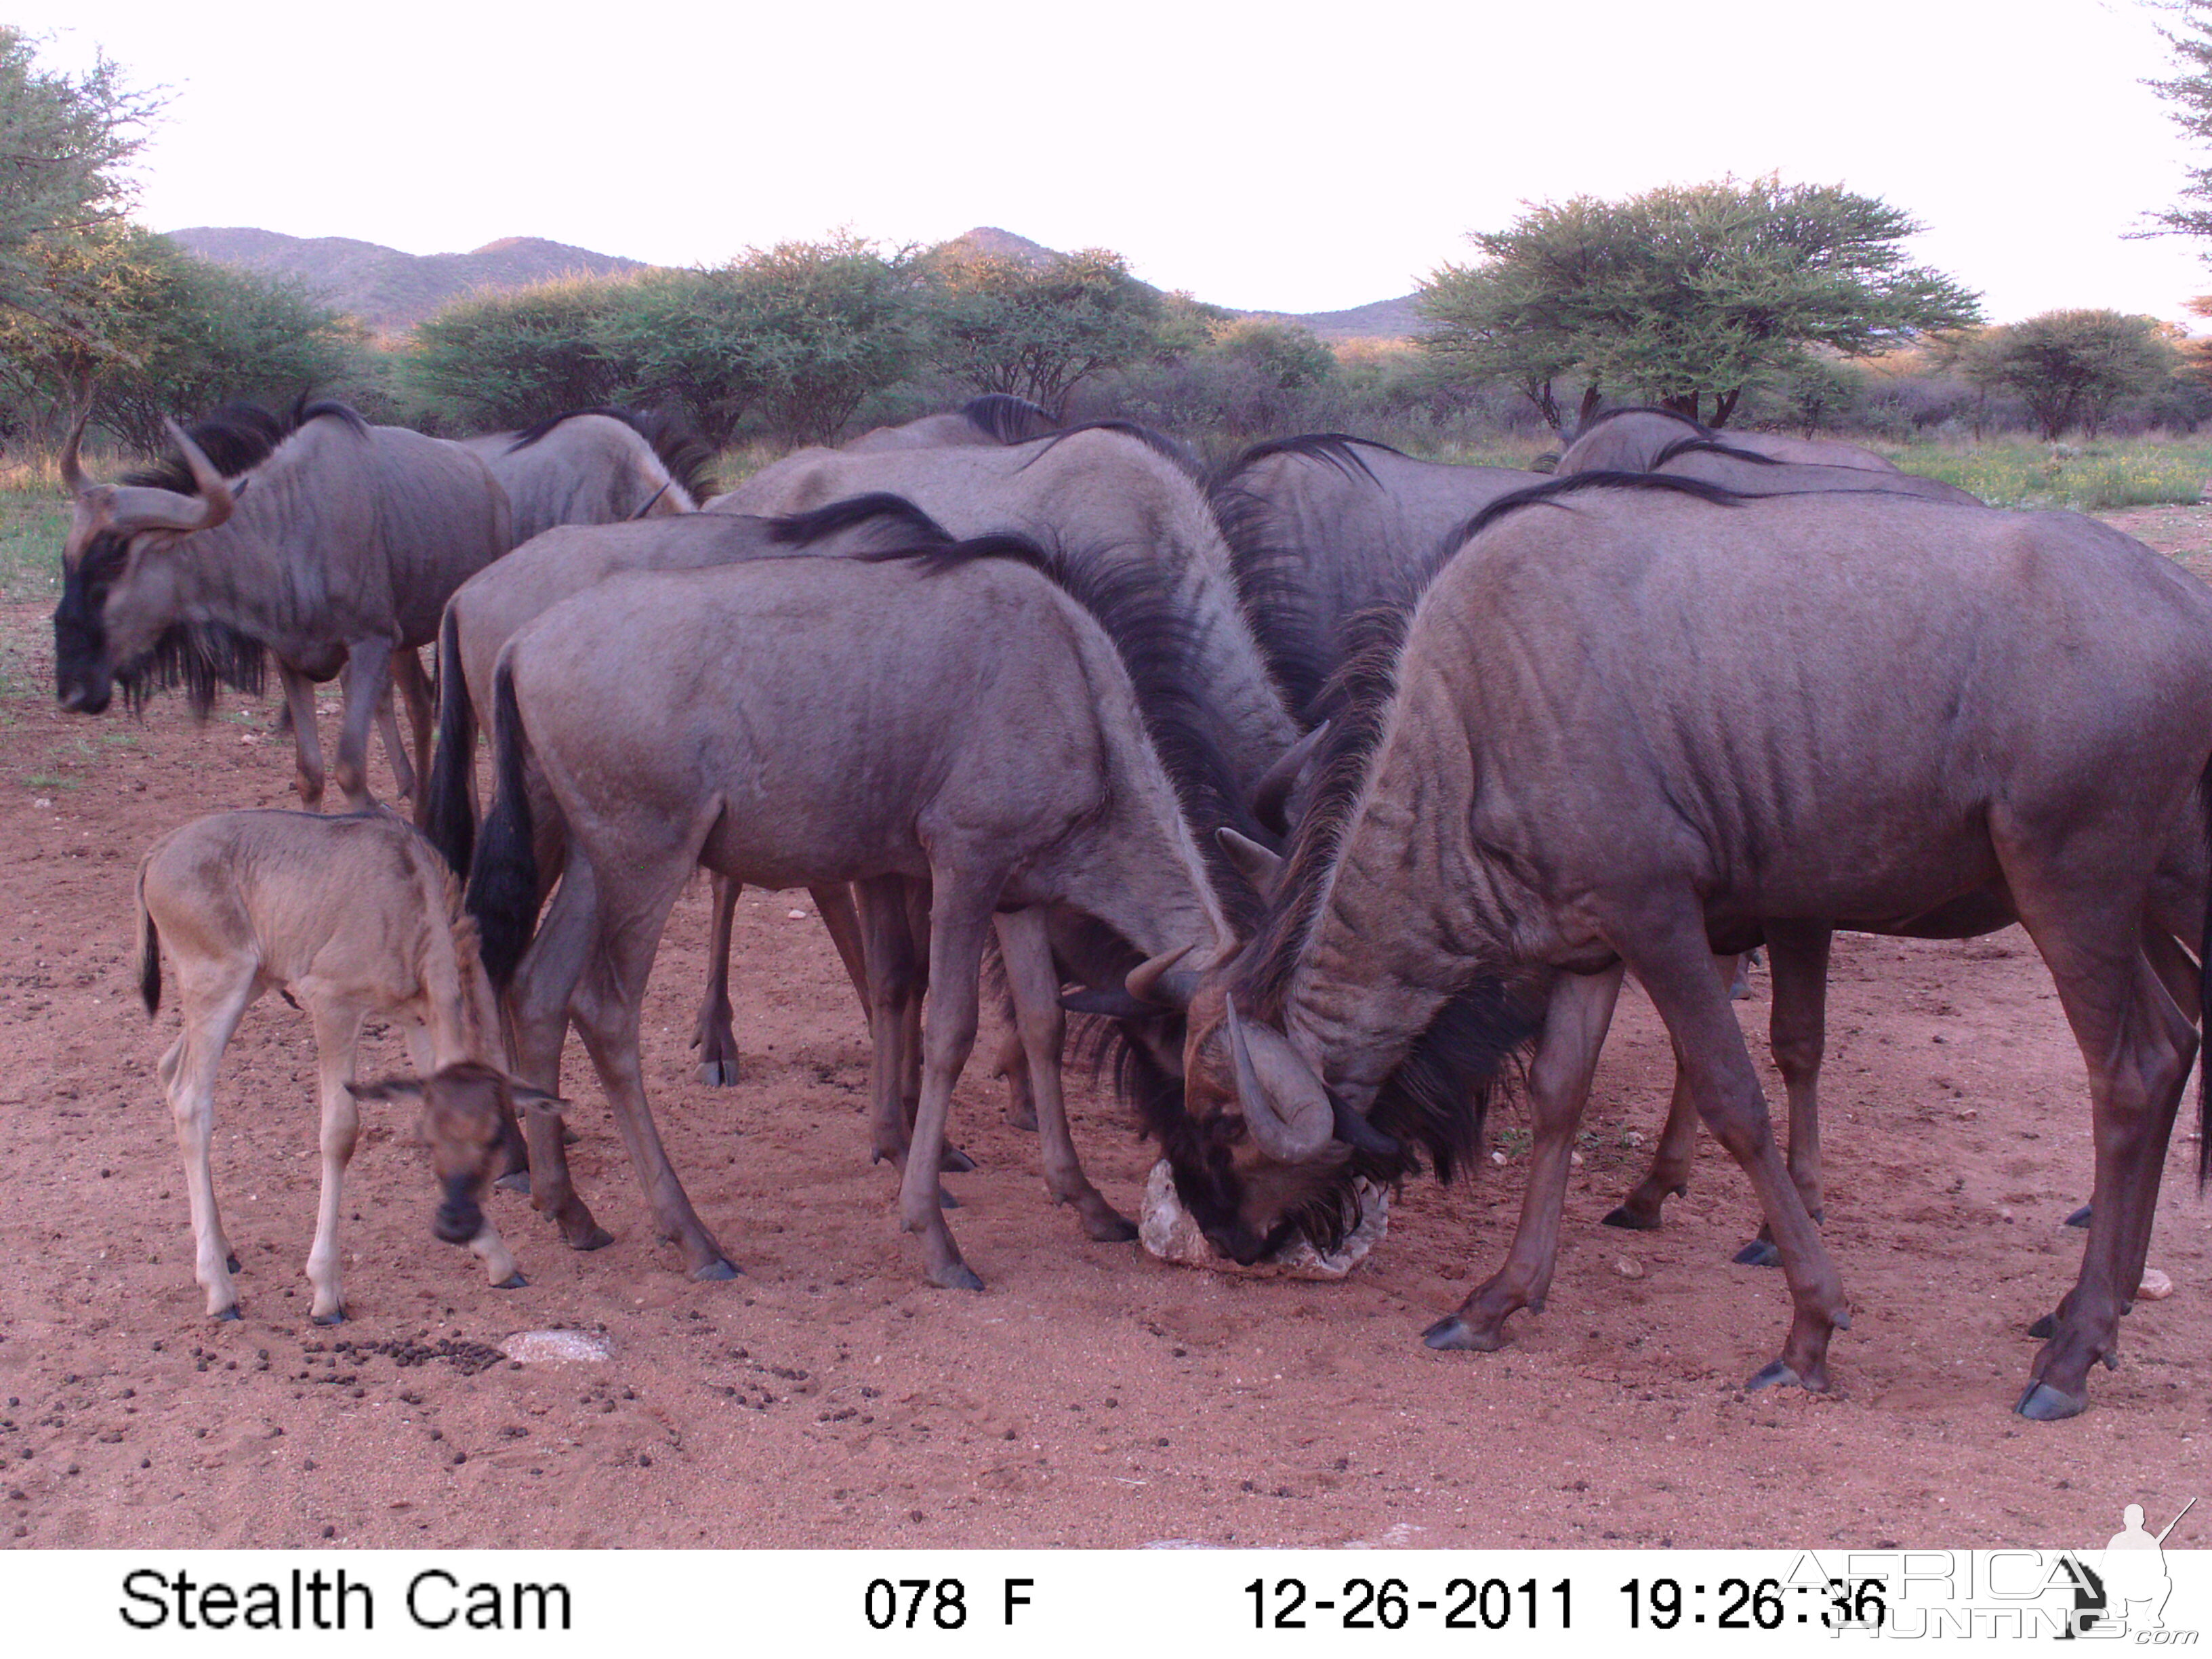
point(1342, 788)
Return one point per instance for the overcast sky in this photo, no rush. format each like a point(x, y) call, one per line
point(1270, 157)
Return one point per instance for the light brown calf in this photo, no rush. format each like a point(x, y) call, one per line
point(348, 917)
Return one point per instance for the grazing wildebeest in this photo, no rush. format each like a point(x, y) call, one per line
point(804, 721)
point(1324, 526)
point(325, 542)
point(1632, 725)
point(1631, 440)
point(488, 609)
point(352, 916)
point(594, 466)
point(993, 418)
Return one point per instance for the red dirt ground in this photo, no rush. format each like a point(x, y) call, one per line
point(1091, 1397)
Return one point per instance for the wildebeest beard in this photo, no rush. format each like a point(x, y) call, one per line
point(202, 657)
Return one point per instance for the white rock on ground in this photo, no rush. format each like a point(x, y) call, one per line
point(1168, 1231)
point(556, 1347)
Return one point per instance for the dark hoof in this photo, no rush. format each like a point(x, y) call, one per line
point(1758, 1253)
point(945, 1201)
point(1021, 1117)
point(953, 1161)
point(958, 1277)
point(1773, 1371)
point(337, 1318)
point(513, 1281)
point(1625, 1217)
point(716, 1269)
point(718, 1073)
point(2080, 1218)
point(232, 1264)
point(516, 1181)
point(1111, 1230)
point(597, 1239)
point(226, 1315)
point(568, 1136)
point(1453, 1332)
point(2043, 1404)
point(2044, 1328)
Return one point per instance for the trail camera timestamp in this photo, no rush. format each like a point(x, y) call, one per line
point(1463, 1603)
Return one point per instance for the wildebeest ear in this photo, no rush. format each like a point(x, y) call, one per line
point(537, 1100)
point(388, 1088)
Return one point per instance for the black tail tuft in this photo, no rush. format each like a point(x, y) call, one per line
point(149, 954)
point(502, 893)
point(452, 820)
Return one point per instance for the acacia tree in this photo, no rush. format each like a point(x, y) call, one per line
point(514, 359)
point(1037, 331)
point(1688, 296)
point(2070, 367)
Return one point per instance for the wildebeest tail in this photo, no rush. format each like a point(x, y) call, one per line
point(149, 951)
point(502, 893)
point(452, 819)
point(2204, 1000)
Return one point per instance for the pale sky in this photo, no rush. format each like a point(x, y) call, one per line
point(1284, 157)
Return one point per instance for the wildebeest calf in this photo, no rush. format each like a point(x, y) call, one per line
point(348, 917)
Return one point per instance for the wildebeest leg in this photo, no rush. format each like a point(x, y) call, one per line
point(2138, 1046)
point(368, 678)
point(636, 890)
point(834, 904)
point(1013, 1064)
point(306, 741)
point(337, 1029)
point(1797, 1030)
point(1034, 986)
point(1575, 1020)
point(960, 920)
point(1663, 942)
point(536, 1011)
point(712, 1035)
point(1669, 1173)
point(395, 749)
point(894, 982)
point(213, 999)
point(422, 714)
point(916, 896)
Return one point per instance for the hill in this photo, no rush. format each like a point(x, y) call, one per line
point(391, 291)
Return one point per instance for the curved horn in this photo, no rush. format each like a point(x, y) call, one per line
point(73, 479)
point(1359, 1134)
point(1145, 981)
point(213, 490)
point(1285, 1141)
point(1261, 866)
point(1272, 794)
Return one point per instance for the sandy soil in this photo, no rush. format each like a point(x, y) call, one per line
point(1091, 1397)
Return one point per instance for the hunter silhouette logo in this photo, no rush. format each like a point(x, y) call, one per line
point(2136, 1582)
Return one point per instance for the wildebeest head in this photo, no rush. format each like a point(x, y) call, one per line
point(118, 598)
point(468, 1123)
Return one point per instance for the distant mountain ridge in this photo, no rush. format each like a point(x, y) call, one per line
point(390, 291)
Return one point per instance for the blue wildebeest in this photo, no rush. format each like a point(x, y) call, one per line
point(1632, 439)
point(1637, 720)
point(878, 746)
point(595, 466)
point(993, 418)
point(356, 917)
point(323, 541)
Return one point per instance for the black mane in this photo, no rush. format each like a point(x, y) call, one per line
point(1604, 415)
point(1549, 492)
point(1159, 442)
point(1338, 449)
point(798, 529)
point(683, 451)
point(1006, 419)
point(236, 438)
point(1694, 446)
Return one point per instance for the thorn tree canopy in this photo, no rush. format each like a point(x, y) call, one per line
point(1687, 295)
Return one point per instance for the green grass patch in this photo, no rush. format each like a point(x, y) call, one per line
point(2096, 477)
point(33, 520)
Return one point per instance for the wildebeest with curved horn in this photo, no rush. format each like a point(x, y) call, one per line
point(876, 745)
point(1637, 720)
point(1631, 439)
point(323, 541)
point(601, 466)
